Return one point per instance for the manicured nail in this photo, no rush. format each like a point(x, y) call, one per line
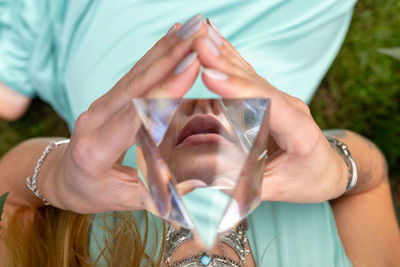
point(213, 35)
point(190, 27)
point(215, 74)
point(212, 47)
point(185, 63)
point(172, 29)
point(209, 22)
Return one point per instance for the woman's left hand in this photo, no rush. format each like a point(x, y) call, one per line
point(303, 168)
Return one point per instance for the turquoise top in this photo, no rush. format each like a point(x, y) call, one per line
point(69, 53)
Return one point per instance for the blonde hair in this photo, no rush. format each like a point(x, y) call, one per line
point(53, 237)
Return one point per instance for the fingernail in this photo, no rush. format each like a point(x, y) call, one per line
point(185, 63)
point(190, 27)
point(212, 47)
point(213, 35)
point(209, 22)
point(215, 74)
point(171, 30)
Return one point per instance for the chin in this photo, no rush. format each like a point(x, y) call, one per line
point(205, 168)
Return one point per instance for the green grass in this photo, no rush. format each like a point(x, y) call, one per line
point(361, 91)
point(39, 121)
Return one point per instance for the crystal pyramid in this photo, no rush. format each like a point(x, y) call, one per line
point(202, 160)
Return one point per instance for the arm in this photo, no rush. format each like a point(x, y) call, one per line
point(86, 176)
point(365, 216)
point(12, 105)
point(305, 169)
point(72, 175)
point(18, 164)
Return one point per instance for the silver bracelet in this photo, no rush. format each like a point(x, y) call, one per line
point(31, 182)
point(344, 152)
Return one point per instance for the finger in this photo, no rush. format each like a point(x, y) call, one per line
point(114, 136)
point(162, 67)
point(215, 35)
point(135, 84)
point(287, 125)
point(161, 47)
point(131, 86)
point(188, 186)
point(180, 81)
point(124, 190)
point(212, 56)
point(121, 159)
point(112, 190)
point(232, 86)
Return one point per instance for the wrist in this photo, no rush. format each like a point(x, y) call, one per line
point(51, 176)
point(350, 169)
point(341, 172)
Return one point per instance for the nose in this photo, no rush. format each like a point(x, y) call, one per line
point(202, 106)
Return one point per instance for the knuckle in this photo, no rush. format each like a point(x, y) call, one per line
point(176, 53)
point(80, 151)
point(312, 133)
point(133, 85)
point(303, 107)
point(82, 120)
point(165, 42)
point(94, 104)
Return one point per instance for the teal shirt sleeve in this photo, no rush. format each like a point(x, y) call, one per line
point(19, 24)
point(69, 53)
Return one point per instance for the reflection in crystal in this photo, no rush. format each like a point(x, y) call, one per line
point(202, 160)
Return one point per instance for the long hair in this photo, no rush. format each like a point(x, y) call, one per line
point(58, 238)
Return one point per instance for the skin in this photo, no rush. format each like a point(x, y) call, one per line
point(210, 159)
point(72, 176)
point(13, 105)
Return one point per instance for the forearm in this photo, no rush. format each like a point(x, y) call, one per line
point(18, 164)
point(365, 216)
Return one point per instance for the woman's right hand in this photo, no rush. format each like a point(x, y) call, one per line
point(89, 176)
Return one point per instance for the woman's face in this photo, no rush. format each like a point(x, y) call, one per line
point(201, 144)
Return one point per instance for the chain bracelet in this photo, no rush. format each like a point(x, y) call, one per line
point(31, 182)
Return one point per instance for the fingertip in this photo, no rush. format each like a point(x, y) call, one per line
point(215, 74)
point(179, 84)
point(171, 30)
point(174, 28)
point(217, 82)
point(185, 63)
point(215, 36)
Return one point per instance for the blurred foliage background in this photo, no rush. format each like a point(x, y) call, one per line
point(360, 92)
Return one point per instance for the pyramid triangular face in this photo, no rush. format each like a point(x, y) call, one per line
point(202, 160)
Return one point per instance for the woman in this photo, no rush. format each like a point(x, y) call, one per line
point(87, 163)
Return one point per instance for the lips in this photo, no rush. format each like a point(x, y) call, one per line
point(203, 125)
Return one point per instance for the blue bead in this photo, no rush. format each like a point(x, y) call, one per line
point(205, 260)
